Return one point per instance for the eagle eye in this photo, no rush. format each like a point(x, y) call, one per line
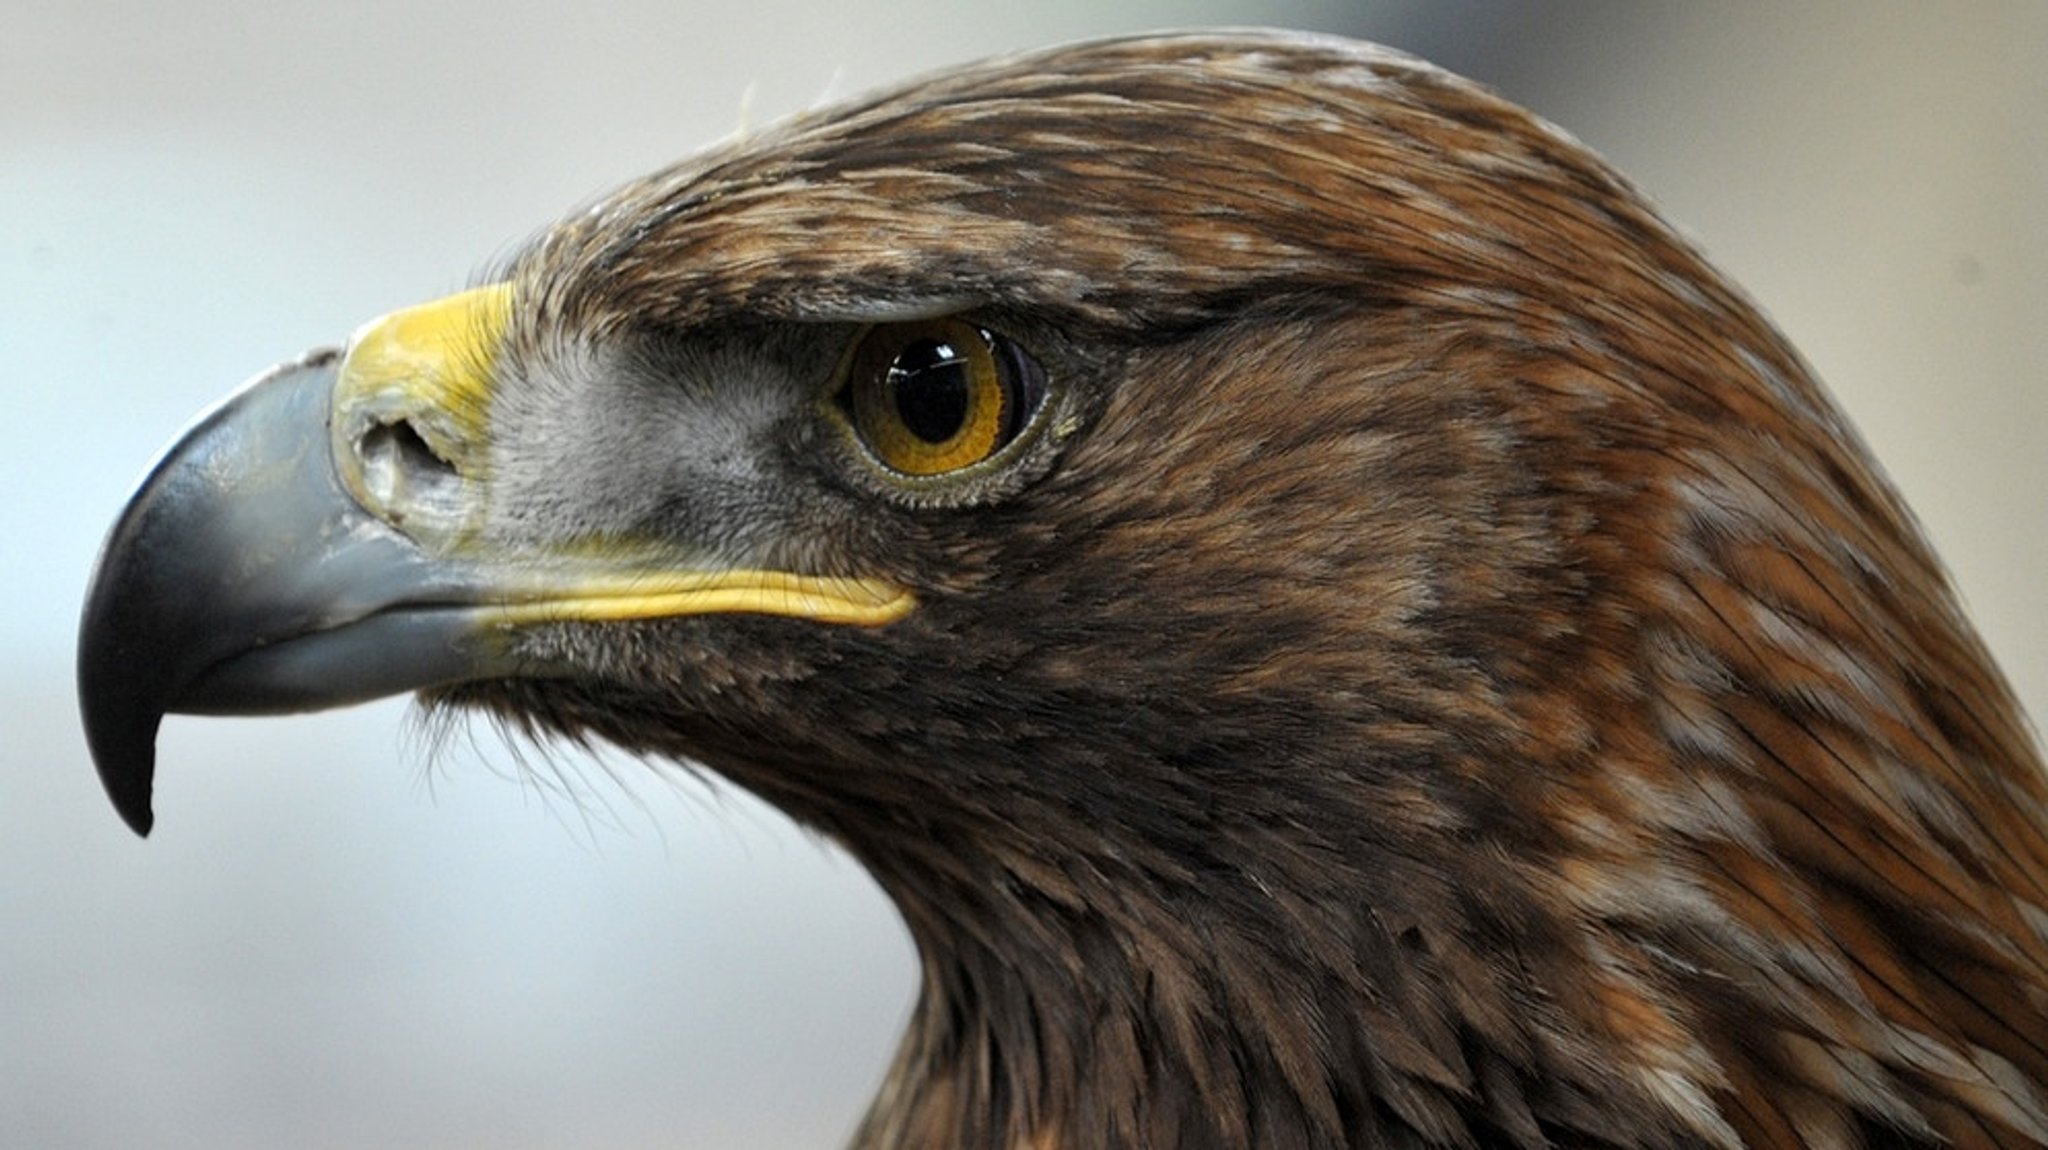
point(933, 396)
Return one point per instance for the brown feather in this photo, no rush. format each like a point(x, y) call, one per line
point(1460, 682)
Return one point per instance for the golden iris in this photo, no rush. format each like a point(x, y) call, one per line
point(934, 396)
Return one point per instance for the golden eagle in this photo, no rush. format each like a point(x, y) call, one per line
point(1334, 625)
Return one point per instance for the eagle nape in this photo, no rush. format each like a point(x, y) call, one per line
point(1333, 624)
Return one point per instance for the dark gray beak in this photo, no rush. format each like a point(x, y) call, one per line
point(243, 579)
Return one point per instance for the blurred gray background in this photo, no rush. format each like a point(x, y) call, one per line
point(346, 932)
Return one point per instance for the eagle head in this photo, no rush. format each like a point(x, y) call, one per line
point(1334, 625)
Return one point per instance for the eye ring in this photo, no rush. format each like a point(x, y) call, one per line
point(931, 397)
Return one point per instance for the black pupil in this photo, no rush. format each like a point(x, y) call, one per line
point(929, 383)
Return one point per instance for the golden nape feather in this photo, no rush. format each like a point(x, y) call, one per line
point(1334, 625)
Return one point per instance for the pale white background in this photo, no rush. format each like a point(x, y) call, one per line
point(340, 936)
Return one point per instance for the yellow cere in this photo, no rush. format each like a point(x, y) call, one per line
point(439, 354)
point(655, 594)
point(428, 367)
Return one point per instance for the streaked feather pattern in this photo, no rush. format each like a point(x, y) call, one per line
point(1461, 682)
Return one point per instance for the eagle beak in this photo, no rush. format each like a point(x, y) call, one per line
point(242, 578)
point(319, 539)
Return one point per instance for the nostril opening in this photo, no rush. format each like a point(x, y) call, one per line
point(403, 473)
point(400, 439)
